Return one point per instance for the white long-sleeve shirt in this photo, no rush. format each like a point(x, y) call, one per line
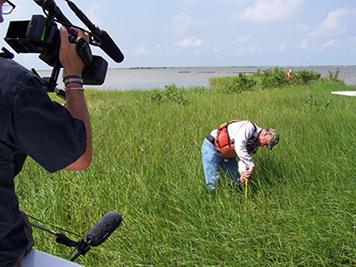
point(243, 133)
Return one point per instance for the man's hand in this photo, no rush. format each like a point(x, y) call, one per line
point(249, 173)
point(68, 56)
point(75, 100)
point(245, 176)
point(243, 179)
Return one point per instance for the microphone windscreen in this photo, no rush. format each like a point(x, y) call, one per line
point(49, 5)
point(110, 48)
point(103, 228)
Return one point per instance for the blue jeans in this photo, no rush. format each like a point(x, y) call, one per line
point(213, 162)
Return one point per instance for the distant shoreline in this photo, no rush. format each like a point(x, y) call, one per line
point(225, 67)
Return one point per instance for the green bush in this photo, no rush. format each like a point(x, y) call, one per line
point(312, 104)
point(334, 76)
point(305, 76)
point(172, 94)
point(273, 78)
point(276, 78)
point(238, 84)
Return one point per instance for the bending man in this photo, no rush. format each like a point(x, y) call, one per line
point(234, 139)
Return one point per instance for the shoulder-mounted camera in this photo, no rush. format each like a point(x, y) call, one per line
point(41, 35)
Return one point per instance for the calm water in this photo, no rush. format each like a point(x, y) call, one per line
point(128, 79)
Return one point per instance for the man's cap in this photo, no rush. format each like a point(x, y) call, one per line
point(274, 138)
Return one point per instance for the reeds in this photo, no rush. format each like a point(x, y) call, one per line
point(147, 166)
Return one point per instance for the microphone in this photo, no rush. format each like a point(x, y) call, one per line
point(110, 48)
point(107, 43)
point(103, 228)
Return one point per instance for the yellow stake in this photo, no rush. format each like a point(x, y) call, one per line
point(246, 183)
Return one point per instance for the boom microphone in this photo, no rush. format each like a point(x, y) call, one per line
point(110, 48)
point(107, 44)
point(103, 228)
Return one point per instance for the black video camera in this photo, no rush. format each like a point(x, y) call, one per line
point(41, 35)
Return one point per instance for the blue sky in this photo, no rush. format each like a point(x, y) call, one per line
point(179, 33)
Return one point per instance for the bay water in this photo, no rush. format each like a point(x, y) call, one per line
point(158, 78)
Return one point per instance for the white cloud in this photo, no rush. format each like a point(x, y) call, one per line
point(283, 46)
point(303, 44)
point(302, 27)
point(269, 11)
point(219, 50)
point(243, 39)
point(329, 43)
point(182, 22)
point(190, 42)
point(141, 50)
point(248, 50)
point(336, 23)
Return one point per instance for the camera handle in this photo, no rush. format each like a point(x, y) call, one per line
point(6, 53)
point(50, 83)
point(84, 51)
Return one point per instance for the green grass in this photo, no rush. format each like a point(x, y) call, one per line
point(301, 208)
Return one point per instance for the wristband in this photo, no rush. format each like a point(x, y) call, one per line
point(74, 88)
point(73, 79)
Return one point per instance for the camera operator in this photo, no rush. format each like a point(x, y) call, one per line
point(31, 124)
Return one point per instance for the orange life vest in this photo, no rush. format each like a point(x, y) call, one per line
point(224, 144)
point(289, 75)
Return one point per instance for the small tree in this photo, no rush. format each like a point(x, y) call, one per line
point(334, 76)
point(306, 76)
point(273, 78)
point(238, 84)
point(172, 94)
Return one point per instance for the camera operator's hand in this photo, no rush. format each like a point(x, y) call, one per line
point(75, 100)
point(68, 56)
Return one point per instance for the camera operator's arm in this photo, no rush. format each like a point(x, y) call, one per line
point(75, 100)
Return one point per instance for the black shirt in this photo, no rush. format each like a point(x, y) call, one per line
point(30, 124)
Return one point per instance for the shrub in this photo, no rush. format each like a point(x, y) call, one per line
point(312, 104)
point(171, 93)
point(334, 76)
point(238, 84)
point(276, 78)
point(273, 78)
point(306, 76)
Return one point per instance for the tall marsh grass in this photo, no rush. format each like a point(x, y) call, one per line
point(301, 207)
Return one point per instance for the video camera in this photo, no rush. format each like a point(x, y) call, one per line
point(41, 35)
